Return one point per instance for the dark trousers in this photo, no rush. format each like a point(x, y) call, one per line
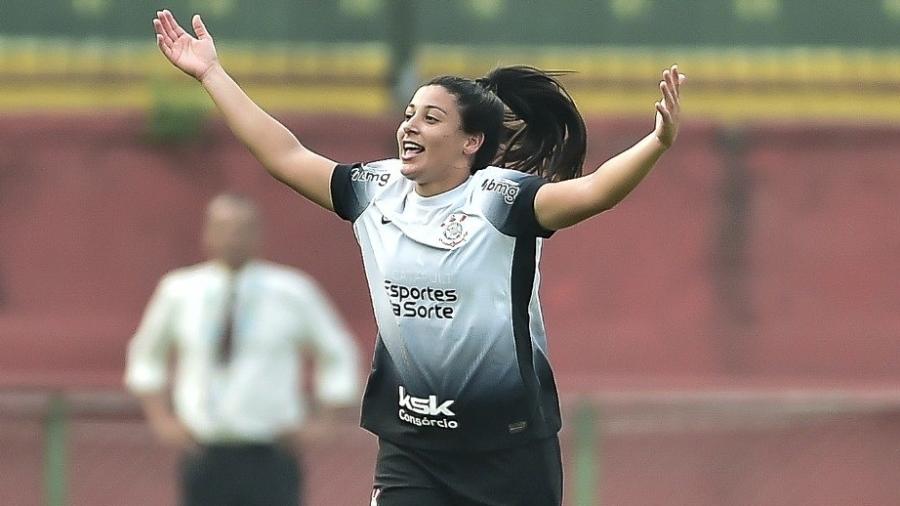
point(240, 475)
point(527, 475)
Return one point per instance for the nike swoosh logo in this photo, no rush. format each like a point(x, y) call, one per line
point(385, 220)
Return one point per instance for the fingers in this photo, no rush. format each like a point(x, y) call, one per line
point(664, 112)
point(671, 75)
point(668, 107)
point(162, 39)
point(169, 25)
point(161, 27)
point(162, 45)
point(157, 27)
point(170, 19)
point(670, 87)
point(678, 78)
point(200, 28)
point(673, 79)
point(668, 92)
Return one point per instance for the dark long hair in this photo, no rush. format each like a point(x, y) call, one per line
point(528, 119)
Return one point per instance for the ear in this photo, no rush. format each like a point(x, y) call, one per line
point(473, 143)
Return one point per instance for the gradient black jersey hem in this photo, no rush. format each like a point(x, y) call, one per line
point(460, 361)
point(489, 423)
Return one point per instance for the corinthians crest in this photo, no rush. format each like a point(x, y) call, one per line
point(454, 230)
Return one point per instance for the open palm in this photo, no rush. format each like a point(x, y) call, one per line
point(668, 109)
point(193, 55)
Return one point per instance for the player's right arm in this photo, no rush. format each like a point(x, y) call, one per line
point(271, 143)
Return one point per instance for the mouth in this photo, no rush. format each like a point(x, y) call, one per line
point(410, 149)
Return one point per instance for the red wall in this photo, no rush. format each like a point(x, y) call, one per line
point(91, 214)
point(824, 252)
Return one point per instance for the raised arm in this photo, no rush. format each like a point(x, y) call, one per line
point(271, 143)
point(562, 204)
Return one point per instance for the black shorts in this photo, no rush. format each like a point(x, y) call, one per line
point(240, 475)
point(528, 475)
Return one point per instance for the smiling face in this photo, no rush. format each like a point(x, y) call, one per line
point(435, 152)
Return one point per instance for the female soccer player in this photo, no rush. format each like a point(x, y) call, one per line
point(461, 394)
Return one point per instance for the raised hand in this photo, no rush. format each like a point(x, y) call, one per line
point(668, 110)
point(195, 56)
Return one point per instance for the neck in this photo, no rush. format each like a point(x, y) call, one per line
point(437, 187)
point(233, 266)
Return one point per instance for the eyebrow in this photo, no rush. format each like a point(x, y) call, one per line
point(427, 107)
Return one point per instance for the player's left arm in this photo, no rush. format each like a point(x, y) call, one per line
point(565, 203)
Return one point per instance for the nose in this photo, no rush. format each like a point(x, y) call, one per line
point(409, 126)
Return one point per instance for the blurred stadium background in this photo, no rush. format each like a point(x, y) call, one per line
point(727, 336)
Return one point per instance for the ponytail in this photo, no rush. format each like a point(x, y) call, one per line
point(529, 121)
point(543, 132)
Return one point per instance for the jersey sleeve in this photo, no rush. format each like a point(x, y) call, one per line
point(508, 199)
point(354, 186)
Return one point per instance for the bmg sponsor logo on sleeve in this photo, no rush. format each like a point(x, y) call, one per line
point(364, 175)
point(507, 189)
point(426, 411)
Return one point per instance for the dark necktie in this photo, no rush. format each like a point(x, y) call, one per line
point(226, 342)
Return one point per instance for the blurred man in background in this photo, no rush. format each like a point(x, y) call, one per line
point(237, 325)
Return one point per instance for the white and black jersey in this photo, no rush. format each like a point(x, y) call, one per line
point(461, 357)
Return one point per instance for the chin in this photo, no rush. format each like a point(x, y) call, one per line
point(409, 170)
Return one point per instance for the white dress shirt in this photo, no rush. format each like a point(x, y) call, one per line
point(256, 396)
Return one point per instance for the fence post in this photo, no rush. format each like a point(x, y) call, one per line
point(587, 448)
point(55, 452)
